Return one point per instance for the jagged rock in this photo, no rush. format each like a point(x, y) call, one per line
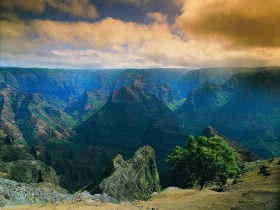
point(244, 155)
point(20, 193)
point(15, 193)
point(134, 179)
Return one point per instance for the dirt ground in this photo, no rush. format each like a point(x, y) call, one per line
point(252, 191)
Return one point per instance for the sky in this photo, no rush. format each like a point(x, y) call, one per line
point(96, 34)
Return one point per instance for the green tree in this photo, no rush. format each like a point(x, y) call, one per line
point(204, 160)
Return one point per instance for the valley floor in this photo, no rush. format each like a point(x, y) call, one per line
point(252, 191)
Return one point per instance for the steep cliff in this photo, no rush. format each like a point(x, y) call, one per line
point(134, 179)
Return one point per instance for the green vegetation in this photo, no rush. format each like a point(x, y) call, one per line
point(245, 108)
point(120, 111)
point(176, 104)
point(204, 160)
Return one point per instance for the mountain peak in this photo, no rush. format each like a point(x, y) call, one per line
point(125, 94)
point(118, 161)
point(144, 151)
point(129, 180)
point(4, 86)
point(131, 94)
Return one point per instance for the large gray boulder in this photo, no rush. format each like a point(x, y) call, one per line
point(135, 179)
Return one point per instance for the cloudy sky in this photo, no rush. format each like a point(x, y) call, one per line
point(139, 33)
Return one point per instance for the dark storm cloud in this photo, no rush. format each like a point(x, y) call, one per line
point(249, 23)
point(79, 8)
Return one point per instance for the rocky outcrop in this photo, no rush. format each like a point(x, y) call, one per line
point(17, 163)
point(134, 179)
point(14, 193)
point(33, 171)
point(244, 155)
point(76, 166)
point(19, 167)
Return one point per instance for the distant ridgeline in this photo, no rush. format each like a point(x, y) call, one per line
point(81, 119)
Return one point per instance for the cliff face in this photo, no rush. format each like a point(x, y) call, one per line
point(29, 116)
point(134, 179)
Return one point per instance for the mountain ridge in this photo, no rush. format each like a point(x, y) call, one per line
point(19, 109)
point(236, 108)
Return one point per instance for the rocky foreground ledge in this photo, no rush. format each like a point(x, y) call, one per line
point(134, 179)
point(257, 188)
point(14, 193)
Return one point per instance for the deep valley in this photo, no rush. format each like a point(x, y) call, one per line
point(65, 126)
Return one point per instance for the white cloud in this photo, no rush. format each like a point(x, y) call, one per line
point(112, 43)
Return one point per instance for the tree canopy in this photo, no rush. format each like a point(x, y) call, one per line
point(203, 160)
